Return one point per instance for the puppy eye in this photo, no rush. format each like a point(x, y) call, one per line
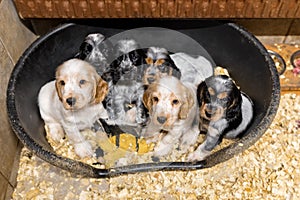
point(62, 83)
point(82, 82)
point(155, 99)
point(175, 102)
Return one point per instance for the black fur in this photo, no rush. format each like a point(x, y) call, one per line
point(231, 104)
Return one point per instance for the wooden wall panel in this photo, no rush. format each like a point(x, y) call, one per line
point(158, 8)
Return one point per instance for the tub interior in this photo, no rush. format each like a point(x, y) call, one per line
point(228, 45)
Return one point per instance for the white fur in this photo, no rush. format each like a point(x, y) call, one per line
point(247, 115)
point(61, 119)
point(193, 70)
point(183, 131)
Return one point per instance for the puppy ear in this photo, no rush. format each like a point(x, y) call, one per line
point(200, 92)
point(58, 89)
point(188, 102)
point(100, 91)
point(147, 97)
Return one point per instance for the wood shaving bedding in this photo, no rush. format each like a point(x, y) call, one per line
point(270, 169)
point(123, 155)
point(127, 153)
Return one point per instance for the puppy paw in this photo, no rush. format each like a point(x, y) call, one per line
point(191, 136)
point(55, 131)
point(198, 156)
point(162, 150)
point(83, 149)
point(183, 148)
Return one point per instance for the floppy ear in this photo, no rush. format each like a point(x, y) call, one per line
point(147, 97)
point(188, 102)
point(57, 83)
point(100, 91)
point(200, 92)
point(58, 90)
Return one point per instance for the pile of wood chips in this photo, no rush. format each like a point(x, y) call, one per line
point(270, 169)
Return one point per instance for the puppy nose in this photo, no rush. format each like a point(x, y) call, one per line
point(161, 119)
point(211, 108)
point(71, 101)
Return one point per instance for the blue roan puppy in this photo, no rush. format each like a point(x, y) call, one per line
point(96, 50)
point(225, 112)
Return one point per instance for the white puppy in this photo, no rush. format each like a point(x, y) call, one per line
point(173, 111)
point(73, 102)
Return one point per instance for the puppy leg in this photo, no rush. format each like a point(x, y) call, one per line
point(189, 138)
point(165, 146)
point(141, 116)
point(109, 106)
point(82, 147)
point(204, 150)
point(151, 133)
point(55, 131)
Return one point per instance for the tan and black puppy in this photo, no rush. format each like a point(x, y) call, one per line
point(159, 64)
point(224, 110)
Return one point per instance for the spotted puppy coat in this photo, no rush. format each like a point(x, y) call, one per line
point(73, 102)
point(174, 117)
point(124, 100)
point(96, 50)
point(225, 111)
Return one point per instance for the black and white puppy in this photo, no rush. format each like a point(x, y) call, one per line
point(159, 64)
point(124, 100)
point(128, 63)
point(96, 50)
point(129, 74)
point(225, 112)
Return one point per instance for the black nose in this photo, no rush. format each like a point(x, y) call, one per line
point(161, 120)
point(211, 108)
point(71, 101)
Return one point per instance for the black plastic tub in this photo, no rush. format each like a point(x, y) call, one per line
point(228, 45)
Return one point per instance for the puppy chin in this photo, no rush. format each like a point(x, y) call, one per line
point(68, 107)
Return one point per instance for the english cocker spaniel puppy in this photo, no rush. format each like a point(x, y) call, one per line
point(173, 112)
point(73, 102)
point(124, 100)
point(159, 64)
point(225, 111)
point(96, 50)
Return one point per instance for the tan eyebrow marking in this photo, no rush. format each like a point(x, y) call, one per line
point(159, 62)
point(149, 61)
point(222, 95)
point(211, 91)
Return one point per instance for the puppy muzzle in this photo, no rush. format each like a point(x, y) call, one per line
point(212, 112)
point(71, 101)
point(126, 65)
point(161, 119)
